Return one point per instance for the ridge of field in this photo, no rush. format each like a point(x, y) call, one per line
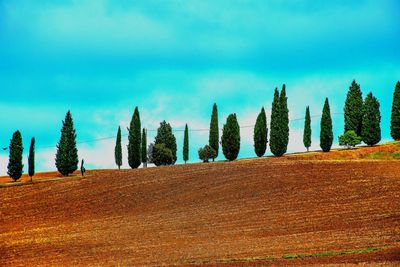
point(386, 151)
point(205, 213)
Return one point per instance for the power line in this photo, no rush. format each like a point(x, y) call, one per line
point(174, 130)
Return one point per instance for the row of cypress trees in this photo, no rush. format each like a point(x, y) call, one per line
point(361, 116)
point(66, 156)
point(230, 139)
point(163, 151)
point(15, 166)
point(279, 132)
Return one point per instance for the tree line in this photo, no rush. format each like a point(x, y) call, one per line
point(361, 124)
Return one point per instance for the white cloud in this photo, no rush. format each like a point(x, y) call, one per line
point(3, 164)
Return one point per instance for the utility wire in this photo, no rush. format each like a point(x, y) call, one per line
point(174, 130)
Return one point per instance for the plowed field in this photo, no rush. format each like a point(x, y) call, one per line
point(247, 213)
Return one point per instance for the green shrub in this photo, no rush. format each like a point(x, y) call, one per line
point(349, 139)
point(206, 153)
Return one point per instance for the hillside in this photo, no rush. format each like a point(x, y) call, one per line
point(388, 151)
point(254, 212)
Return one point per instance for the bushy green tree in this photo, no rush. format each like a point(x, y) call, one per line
point(67, 153)
point(15, 165)
point(118, 149)
point(144, 148)
point(162, 155)
point(214, 131)
point(260, 134)
point(395, 117)
point(206, 153)
point(349, 139)
point(186, 144)
point(165, 136)
point(371, 125)
point(231, 138)
point(31, 159)
point(134, 140)
point(353, 111)
point(326, 135)
point(307, 129)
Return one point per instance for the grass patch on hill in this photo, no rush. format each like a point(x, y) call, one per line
point(289, 256)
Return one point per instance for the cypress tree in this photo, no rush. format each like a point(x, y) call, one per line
point(326, 136)
point(371, 125)
point(284, 114)
point(67, 153)
point(118, 149)
point(213, 140)
point(231, 138)
point(279, 136)
point(31, 159)
point(395, 117)
point(144, 148)
point(186, 144)
point(353, 114)
point(134, 140)
point(166, 137)
point(15, 165)
point(260, 134)
point(275, 125)
point(307, 129)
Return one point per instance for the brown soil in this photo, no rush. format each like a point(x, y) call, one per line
point(201, 213)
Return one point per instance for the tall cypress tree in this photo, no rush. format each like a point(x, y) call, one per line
point(371, 125)
point(353, 109)
point(144, 148)
point(274, 138)
point(186, 144)
point(326, 136)
point(134, 140)
point(231, 138)
point(166, 137)
point(213, 140)
point(31, 159)
point(67, 153)
point(260, 134)
point(307, 129)
point(118, 149)
point(279, 136)
point(395, 117)
point(284, 114)
point(15, 165)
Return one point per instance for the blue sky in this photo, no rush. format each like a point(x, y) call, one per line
point(174, 59)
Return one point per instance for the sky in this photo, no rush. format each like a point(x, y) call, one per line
point(174, 59)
